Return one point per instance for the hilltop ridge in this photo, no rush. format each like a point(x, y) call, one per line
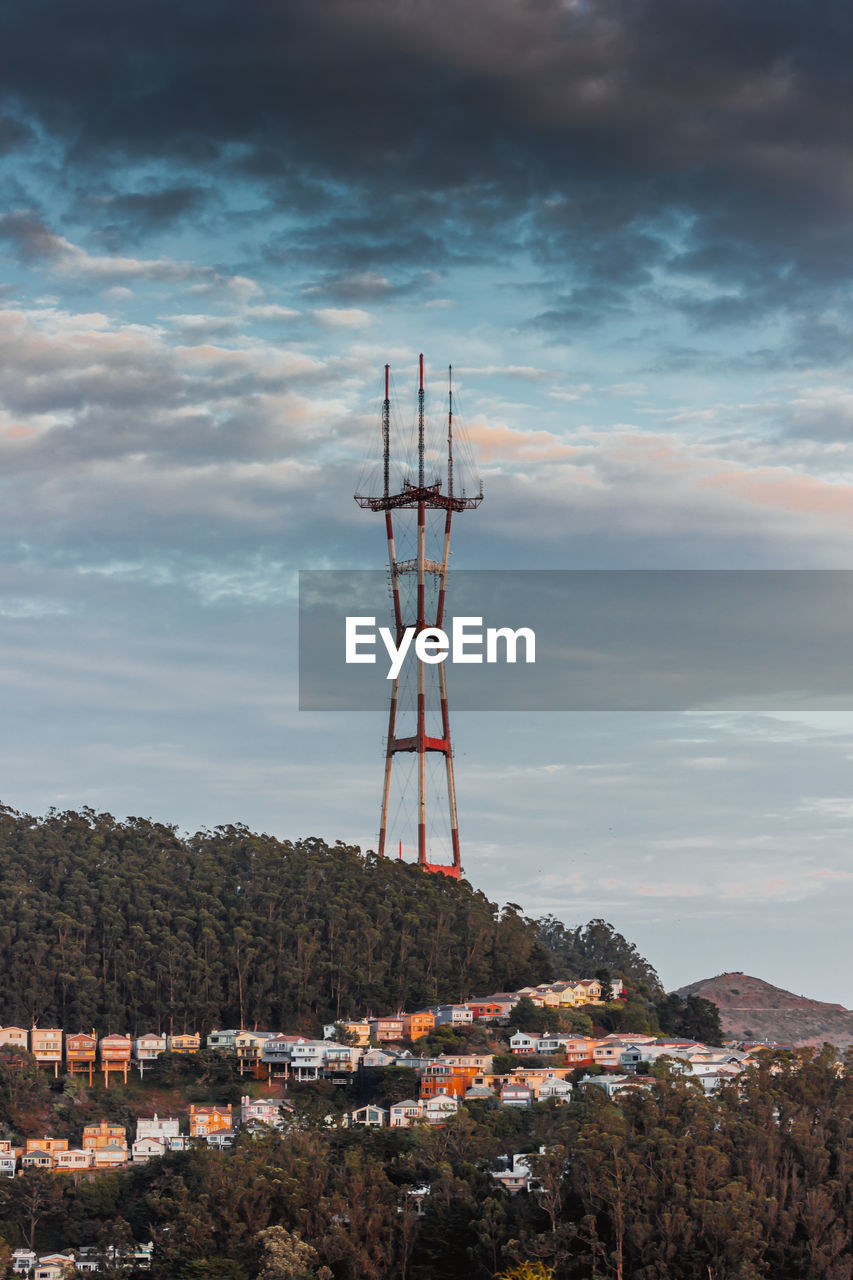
point(753, 1009)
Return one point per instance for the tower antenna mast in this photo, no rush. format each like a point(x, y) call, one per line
point(412, 501)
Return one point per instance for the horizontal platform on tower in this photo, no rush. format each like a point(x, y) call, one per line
point(411, 566)
point(413, 495)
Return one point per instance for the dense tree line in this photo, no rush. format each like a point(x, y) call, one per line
point(598, 950)
point(667, 1184)
point(129, 926)
point(582, 951)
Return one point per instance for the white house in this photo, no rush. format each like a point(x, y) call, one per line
point(440, 1109)
point(148, 1048)
point(371, 1115)
point(158, 1127)
point(554, 1087)
point(149, 1148)
point(514, 1175)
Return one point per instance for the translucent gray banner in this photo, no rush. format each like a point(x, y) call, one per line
point(605, 640)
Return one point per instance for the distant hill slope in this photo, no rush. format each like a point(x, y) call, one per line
point(752, 1009)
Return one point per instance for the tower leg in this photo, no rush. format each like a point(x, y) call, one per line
point(389, 758)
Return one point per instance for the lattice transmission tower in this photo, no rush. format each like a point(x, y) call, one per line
point(418, 717)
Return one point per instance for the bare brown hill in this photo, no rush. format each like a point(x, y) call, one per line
point(751, 1009)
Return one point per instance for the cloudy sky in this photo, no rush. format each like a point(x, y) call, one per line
point(628, 227)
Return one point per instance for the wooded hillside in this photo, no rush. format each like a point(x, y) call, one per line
point(129, 926)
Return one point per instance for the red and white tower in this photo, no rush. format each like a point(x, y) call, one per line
point(418, 718)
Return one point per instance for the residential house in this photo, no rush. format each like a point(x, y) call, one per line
point(514, 1174)
point(14, 1037)
point(308, 1058)
point(360, 1031)
point(75, 1160)
point(378, 1058)
point(479, 1092)
point(186, 1042)
point(46, 1047)
point(617, 1084)
point(554, 1087)
point(106, 1137)
point(8, 1158)
point(485, 1010)
point(148, 1048)
point(608, 1051)
point(481, 1062)
point(440, 1108)
point(248, 1045)
point(454, 1015)
point(440, 1077)
point(80, 1053)
point(404, 1114)
point(523, 1042)
point(36, 1157)
point(578, 1050)
point(341, 1060)
point(115, 1051)
point(383, 1029)
point(266, 1111)
point(222, 1040)
point(370, 1115)
point(276, 1054)
point(592, 987)
point(207, 1120)
point(148, 1148)
point(418, 1025)
point(156, 1136)
point(23, 1261)
point(516, 1095)
point(220, 1138)
point(158, 1127)
point(417, 1198)
point(53, 1266)
point(41, 1153)
point(505, 1001)
point(90, 1258)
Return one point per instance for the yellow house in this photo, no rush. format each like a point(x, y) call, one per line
point(361, 1030)
point(98, 1136)
point(187, 1042)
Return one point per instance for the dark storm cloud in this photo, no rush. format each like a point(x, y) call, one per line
point(13, 134)
point(710, 138)
point(32, 238)
point(140, 213)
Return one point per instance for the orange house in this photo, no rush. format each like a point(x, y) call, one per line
point(417, 1025)
point(205, 1120)
point(46, 1047)
point(444, 1078)
point(80, 1053)
point(115, 1055)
